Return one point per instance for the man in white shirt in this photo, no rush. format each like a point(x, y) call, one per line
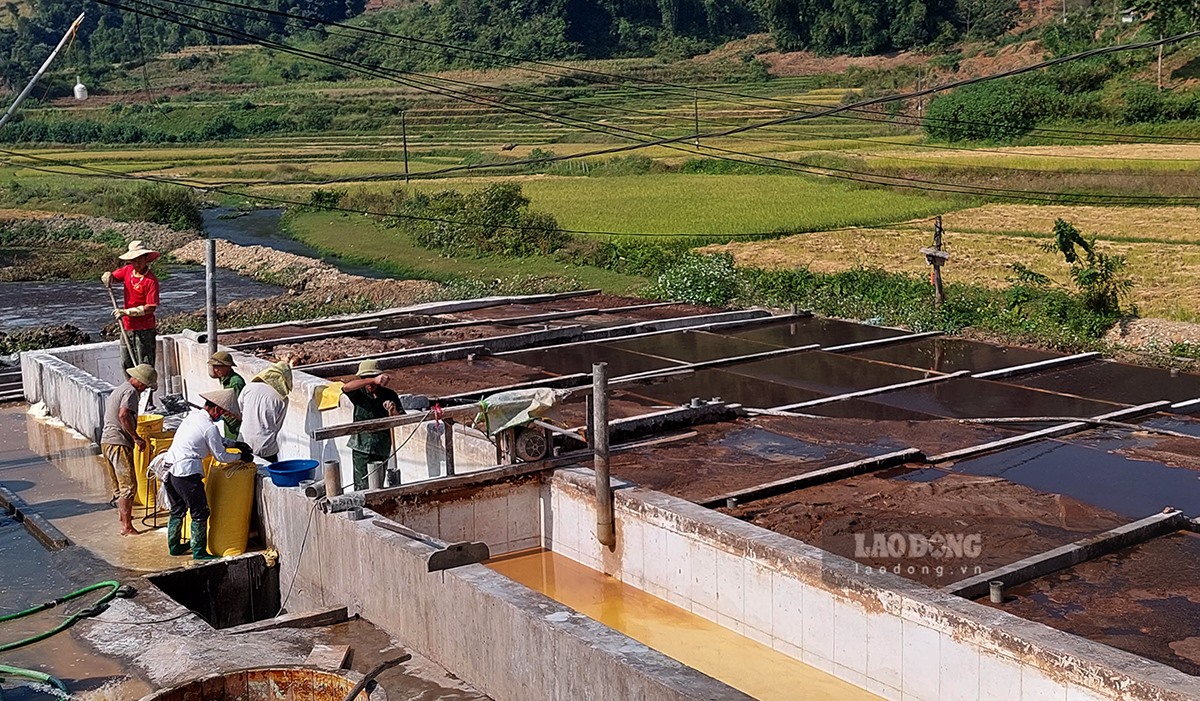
point(264, 406)
point(196, 439)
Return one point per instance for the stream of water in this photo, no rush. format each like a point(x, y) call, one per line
point(85, 304)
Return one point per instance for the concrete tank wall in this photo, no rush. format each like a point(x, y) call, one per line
point(497, 635)
point(894, 637)
point(73, 383)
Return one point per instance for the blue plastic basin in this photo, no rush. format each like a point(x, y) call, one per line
point(290, 473)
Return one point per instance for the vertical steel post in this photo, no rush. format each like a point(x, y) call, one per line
point(449, 446)
point(605, 529)
point(210, 292)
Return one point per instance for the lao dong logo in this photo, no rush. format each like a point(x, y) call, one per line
point(897, 546)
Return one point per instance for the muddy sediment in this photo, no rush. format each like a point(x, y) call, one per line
point(730, 456)
point(1144, 599)
point(881, 521)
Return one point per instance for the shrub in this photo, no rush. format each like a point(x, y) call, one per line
point(177, 207)
point(708, 279)
point(492, 220)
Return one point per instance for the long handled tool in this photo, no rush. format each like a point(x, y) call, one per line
point(121, 326)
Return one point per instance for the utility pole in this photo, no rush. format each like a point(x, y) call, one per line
point(1160, 64)
point(12, 109)
point(937, 258)
point(404, 137)
point(696, 114)
point(1064, 2)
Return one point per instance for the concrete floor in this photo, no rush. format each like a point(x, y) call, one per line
point(147, 642)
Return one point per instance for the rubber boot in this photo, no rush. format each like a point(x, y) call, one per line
point(175, 544)
point(200, 541)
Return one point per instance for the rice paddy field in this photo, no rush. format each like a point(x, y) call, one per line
point(723, 187)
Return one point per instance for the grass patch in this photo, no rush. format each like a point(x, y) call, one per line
point(359, 239)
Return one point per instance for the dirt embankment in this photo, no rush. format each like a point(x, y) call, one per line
point(49, 246)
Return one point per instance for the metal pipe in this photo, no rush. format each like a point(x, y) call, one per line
point(333, 479)
point(449, 423)
point(605, 530)
point(210, 291)
point(12, 109)
point(996, 592)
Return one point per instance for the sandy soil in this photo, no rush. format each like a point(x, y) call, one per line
point(1010, 521)
point(1144, 599)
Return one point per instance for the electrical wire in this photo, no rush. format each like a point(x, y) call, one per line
point(519, 63)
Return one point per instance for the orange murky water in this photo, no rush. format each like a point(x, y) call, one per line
point(720, 653)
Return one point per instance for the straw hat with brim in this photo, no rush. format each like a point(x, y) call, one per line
point(224, 398)
point(137, 250)
point(146, 374)
point(369, 368)
point(222, 358)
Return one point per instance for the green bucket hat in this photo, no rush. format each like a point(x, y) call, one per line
point(369, 368)
point(146, 374)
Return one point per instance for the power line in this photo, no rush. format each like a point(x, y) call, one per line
point(517, 62)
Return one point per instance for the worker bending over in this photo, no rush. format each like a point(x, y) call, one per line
point(196, 439)
point(141, 299)
point(264, 407)
point(372, 399)
point(119, 435)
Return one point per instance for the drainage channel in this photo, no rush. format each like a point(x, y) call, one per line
point(721, 653)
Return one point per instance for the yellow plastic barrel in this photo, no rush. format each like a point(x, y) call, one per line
point(147, 426)
point(229, 488)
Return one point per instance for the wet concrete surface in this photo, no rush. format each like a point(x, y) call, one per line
point(942, 354)
point(32, 575)
point(1144, 599)
point(1117, 382)
point(149, 641)
point(992, 522)
point(827, 332)
point(1107, 480)
point(64, 478)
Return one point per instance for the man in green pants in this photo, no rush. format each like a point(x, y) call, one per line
point(372, 400)
point(220, 367)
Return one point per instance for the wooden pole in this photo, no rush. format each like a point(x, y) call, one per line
point(939, 294)
point(605, 529)
point(696, 112)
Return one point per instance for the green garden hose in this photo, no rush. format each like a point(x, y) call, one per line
point(92, 610)
point(36, 676)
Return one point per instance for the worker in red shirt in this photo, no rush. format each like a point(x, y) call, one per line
point(141, 299)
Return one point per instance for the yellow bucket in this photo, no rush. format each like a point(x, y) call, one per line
point(229, 488)
point(147, 426)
